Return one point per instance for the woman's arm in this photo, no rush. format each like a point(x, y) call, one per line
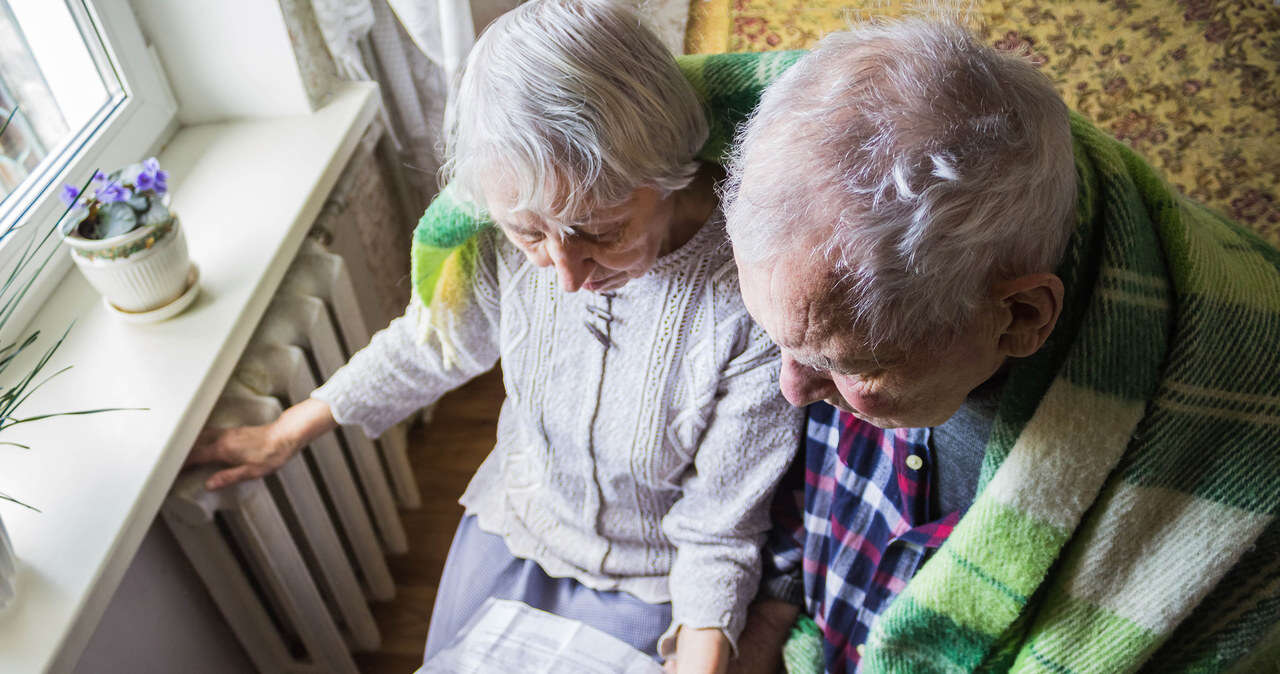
point(781, 596)
point(421, 356)
point(700, 650)
point(255, 451)
point(719, 522)
point(399, 372)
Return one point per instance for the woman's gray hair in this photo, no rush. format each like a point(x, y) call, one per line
point(919, 162)
point(576, 104)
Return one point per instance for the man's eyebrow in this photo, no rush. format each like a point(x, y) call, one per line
point(825, 363)
point(815, 361)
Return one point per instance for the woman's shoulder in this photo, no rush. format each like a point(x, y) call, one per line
point(723, 294)
point(716, 259)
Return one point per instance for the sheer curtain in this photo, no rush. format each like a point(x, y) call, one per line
point(412, 48)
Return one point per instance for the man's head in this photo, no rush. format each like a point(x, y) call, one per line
point(897, 206)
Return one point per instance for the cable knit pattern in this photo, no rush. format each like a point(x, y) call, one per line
point(644, 467)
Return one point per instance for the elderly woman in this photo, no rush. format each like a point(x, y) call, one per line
point(643, 431)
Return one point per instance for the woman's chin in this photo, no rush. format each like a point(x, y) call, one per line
point(606, 284)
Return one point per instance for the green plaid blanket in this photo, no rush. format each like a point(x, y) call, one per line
point(1126, 517)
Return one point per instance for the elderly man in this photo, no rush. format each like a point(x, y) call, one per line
point(1078, 367)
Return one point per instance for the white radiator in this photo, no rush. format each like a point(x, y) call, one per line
point(291, 560)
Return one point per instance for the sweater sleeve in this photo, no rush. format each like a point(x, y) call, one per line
point(783, 553)
point(720, 520)
point(400, 371)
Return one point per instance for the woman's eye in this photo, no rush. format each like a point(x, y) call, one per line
point(607, 236)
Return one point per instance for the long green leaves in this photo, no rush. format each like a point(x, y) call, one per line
point(6, 497)
point(8, 119)
point(13, 290)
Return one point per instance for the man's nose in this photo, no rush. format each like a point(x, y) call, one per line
point(571, 262)
point(802, 385)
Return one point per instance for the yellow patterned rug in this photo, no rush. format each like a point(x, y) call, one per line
point(1193, 85)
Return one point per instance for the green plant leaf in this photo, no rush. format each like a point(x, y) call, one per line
point(13, 421)
point(71, 221)
point(17, 281)
point(8, 119)
point(8, 358)
point(20, 266)
point(157, 215)
point(115, 219)
point(6, 497)
point(27, 394)
point(10, 400)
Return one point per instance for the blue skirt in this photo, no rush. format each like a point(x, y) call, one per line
point(479, 566)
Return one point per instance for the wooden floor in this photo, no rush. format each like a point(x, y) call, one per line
point(444, 456)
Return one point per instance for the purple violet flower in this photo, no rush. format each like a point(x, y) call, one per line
point(162, 182)
point(150, 165)
point(112, 193)
point(144, 181)
point(99, 177)
point(69, 194)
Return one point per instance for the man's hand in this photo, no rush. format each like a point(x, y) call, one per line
point(700, 651)
point(768, 625)
point(254, 451)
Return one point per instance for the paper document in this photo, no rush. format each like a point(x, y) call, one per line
point(511, 636)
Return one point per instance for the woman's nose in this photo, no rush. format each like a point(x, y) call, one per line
point(802, 385)
point(571, 262)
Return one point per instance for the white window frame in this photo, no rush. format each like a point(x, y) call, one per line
point(131, 130)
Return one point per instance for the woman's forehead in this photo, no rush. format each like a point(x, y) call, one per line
point(506, 207)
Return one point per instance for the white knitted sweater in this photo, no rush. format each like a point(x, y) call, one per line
point(645, 466)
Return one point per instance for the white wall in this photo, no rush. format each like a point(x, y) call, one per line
point(161, 619)
point(226, 59)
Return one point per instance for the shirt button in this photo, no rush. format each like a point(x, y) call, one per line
point(914, 462)
point(860, 649)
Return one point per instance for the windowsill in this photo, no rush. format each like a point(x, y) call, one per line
point(247, 193)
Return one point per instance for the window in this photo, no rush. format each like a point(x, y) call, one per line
point(51, 89)
point(82, 91)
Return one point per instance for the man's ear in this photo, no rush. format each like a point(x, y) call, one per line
point(1033, 304)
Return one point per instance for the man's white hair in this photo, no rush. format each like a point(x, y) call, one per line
point(576, 104)
point(921, 164)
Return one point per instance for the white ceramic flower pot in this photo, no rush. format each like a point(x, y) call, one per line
point(140, 271)
point(8, 569)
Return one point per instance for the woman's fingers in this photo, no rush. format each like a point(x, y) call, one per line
point(230, 476)
point(246, 449)
point(205, 448)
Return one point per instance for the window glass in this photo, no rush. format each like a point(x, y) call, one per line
point(57, 83)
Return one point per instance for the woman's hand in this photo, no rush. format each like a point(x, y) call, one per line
point(254, 451)
point(700, 651)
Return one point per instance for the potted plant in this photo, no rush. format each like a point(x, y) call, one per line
point(17, 385)
point(128, 244)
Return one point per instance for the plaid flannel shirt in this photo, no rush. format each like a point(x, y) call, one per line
point(857, 520)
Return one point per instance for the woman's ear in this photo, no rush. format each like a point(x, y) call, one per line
point(1034, 303)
